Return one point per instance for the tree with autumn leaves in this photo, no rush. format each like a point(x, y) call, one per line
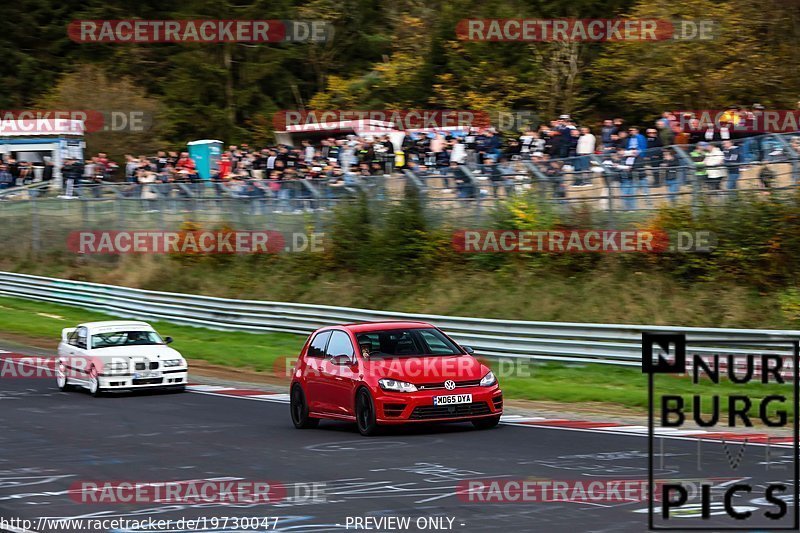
point(395, 54)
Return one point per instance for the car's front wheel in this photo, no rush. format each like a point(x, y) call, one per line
point(486, 423)
point(94, 383)
point(365, 414)
point(61, 378)
point(299, 410)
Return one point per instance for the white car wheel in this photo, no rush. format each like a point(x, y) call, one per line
point(94, 383)
point(61, 378)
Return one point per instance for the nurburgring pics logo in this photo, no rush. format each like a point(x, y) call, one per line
point(199, 31)
point(584, 30)
point(728, 395)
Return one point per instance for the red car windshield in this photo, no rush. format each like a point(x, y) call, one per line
point(414, 342)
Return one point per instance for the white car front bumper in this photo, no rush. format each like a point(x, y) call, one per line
point(169, 378)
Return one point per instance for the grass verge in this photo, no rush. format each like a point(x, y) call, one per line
point(264, 352)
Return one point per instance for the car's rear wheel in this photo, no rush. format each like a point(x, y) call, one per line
point(365, 414)
point(94, 383)
point(486, 423)
point(299, 410)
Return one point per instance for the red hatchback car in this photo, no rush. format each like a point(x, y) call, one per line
point(382, 373)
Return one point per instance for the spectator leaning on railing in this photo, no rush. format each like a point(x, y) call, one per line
point(6, 179)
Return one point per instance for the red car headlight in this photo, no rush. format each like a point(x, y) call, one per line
point(396, 386)
point(488, 380)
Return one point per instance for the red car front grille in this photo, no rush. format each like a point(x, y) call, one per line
point(427, 412)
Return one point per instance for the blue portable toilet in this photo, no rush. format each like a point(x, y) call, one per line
point(205, 154)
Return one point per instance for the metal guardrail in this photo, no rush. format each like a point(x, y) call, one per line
point(614, 344)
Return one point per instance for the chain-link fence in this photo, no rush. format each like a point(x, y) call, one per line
point(617, 186)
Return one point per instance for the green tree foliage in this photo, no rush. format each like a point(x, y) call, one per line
point(405, 53)
point(747, 61)
point(120, 97)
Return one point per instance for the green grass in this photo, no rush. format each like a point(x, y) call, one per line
point(627, 386)
point(623, 386)
point(233, 349)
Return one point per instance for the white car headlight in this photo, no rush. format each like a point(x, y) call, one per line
point(115, 367)
point(171, 362)
point(397, 386)
point(488, 380)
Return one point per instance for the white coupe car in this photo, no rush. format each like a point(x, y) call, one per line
point(118, 355)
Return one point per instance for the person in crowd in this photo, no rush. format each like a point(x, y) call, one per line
point(607, 131)
point(653, 155)
point(665, 133)
point(731, 156)
point(47, 173)
point(672, 176)
point(714, 162)
point(636, 151)
point(618, 164)
point(6, 179)
point(584, 150)
point(698, 158)
point(766, 176)
point(71, 173)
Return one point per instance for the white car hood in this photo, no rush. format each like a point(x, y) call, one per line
point(152, 351)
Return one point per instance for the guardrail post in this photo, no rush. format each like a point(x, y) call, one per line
point(540, 181)
point(697, 186)
point(36, 236)
point(415, 181)
point(84, 210)
point(794, 158)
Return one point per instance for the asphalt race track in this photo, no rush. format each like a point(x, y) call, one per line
point(50, 440)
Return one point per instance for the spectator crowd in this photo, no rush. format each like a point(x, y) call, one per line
point(562, 151)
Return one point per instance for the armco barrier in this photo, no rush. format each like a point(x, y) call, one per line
point(616, 344)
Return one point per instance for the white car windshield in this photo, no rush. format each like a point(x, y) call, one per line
point(125, 338)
